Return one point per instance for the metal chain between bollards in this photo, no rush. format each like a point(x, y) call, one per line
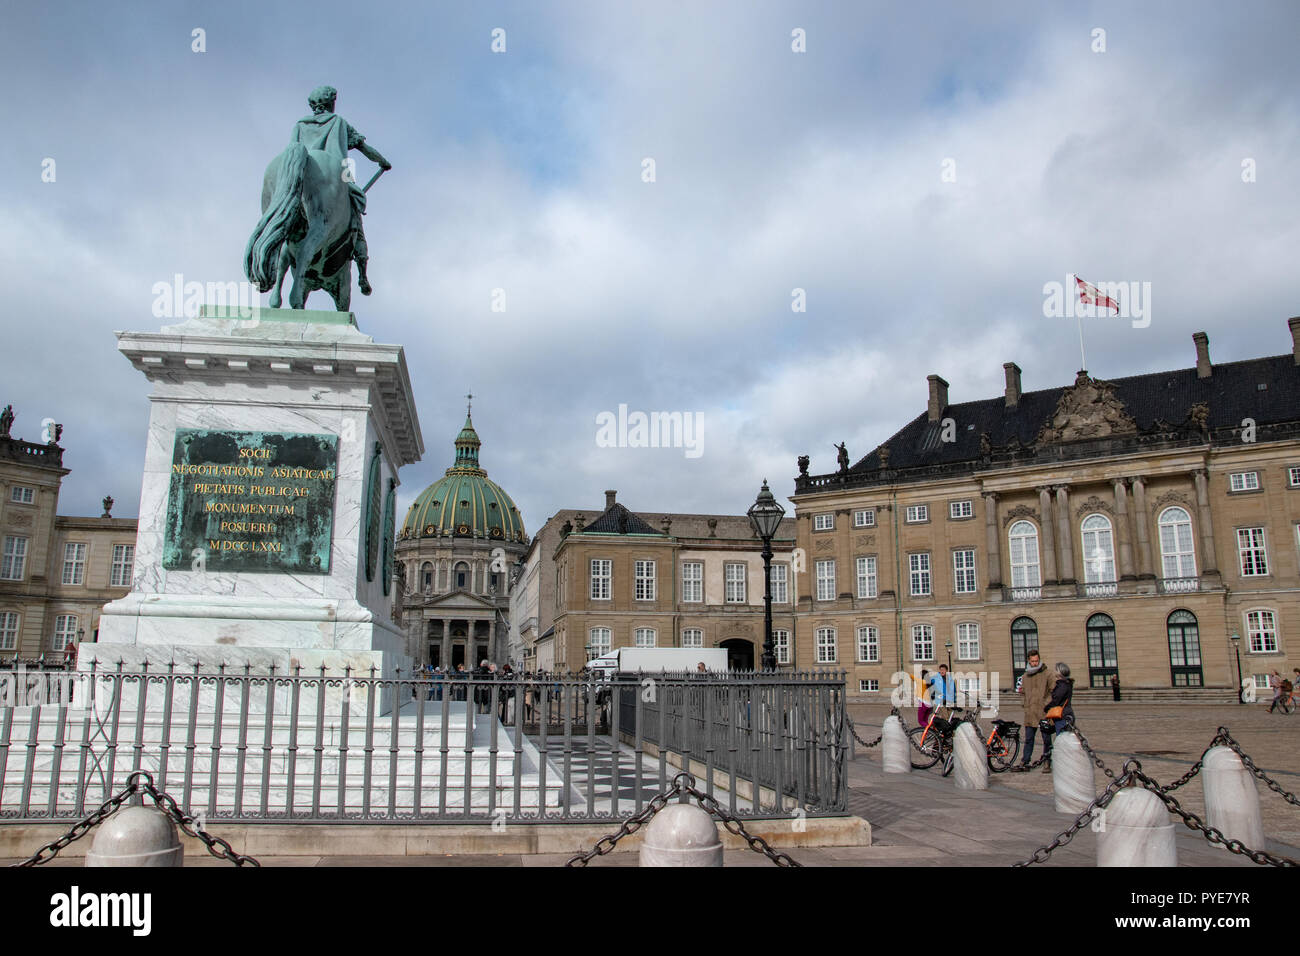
point(141, 782)
point(1087, 748)
point(1065, 836)
point(866, 745)
point(683, 783)
point(1227, 739)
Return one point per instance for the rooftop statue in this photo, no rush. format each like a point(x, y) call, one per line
point(312, 209)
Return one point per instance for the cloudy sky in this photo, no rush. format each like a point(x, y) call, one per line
point(830, 170)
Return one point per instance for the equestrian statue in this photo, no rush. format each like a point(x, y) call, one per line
point(312, 209)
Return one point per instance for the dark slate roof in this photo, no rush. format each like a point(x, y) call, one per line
point(618, 520)
point(1159, 402)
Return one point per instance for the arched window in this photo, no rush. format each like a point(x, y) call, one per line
point(461, 574)
point(602, 638)
point(645, 637)
point(1098, 550)
point(426, 576)
point(1103, 657)
point(1023, 550)
point(1184, 649)
point(922, 642)
point(1176, 551)
point(1024, 638)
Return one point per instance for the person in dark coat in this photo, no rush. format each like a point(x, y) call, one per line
point(1062, 696)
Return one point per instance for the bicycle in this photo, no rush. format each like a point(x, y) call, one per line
point(933, 742)
point(1285, 703)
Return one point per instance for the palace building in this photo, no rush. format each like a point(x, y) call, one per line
point(56, 572)
point(628, 579)
point(455, 551)
point(1145, 529)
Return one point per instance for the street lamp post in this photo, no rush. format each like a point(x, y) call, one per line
point(948, 646)
point(1236, 646)
point(765, 515)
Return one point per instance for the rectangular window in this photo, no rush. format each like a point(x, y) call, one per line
point(867, 578)
point(916, 513)
point(14, 560)
point(961, 509)
point(602, 573)
point(968, 691)
point(8, 631)
point(1263, 682)
point(968, 642)
point(824, 522)
point(65, 630)
point(922, 642)
point(780, 593)
point(1293, 476)
point(693, 637)
point(826, 645)
point(21, 495)
point(826, 580)
point(74, 563)
point(963, 571)
point(123, 565)
point(1244, 481)
point(868, 645)
point(645, 580)
point(1250, 547)
point(602, 639)
point(734, 575)
point(869, 685)
point(1261, 627)
point(866, 518)
point(781, 641)
point(693, 581)
point(645, 637)
point(919, 567)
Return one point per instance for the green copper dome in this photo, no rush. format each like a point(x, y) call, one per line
point(464, 501)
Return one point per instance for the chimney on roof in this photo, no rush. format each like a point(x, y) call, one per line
point(1294, 325)
point(1013, 383)
point(938, 397)
point(609, 499)
point(1203, 367)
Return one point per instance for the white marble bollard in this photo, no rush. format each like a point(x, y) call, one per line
point(970, 759)
point(1072, 775)
point(895, 749)
point(1231, 800)
point(1135, 830)
point(681, 834)
point(136, 836)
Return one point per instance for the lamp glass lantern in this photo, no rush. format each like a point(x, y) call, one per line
point(765, 515)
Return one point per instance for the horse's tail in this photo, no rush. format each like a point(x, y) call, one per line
point(261, 256)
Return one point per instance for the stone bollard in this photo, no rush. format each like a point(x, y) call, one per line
point(895, 749)
point(970, 759)
point(1072, 776)
point(1231, 800)
point(681, 834)
point(1135, 830)
point(136, 836)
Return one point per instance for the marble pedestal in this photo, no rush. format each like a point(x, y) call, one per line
point(280, 372)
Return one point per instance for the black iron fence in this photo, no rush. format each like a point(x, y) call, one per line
point(348, 747)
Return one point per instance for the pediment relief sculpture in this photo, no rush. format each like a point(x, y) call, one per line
point(1088, 409)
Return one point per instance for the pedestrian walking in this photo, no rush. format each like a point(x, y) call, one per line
point(922, 696)
point(1035, 692)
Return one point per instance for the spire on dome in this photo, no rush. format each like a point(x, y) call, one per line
point(467, 445)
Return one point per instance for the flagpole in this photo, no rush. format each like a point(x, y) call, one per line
point(1078, 316)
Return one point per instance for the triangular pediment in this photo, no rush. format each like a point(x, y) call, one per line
point(1088, 409)
point(461, 600)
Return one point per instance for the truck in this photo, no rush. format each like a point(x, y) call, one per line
point(632, 660)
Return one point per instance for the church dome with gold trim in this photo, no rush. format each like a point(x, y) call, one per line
point(464, 502)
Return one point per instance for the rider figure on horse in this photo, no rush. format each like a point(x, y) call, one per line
point(327, 131)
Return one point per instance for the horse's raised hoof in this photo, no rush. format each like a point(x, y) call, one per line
point(363, 285)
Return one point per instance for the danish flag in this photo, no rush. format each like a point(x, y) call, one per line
point(1089, 294)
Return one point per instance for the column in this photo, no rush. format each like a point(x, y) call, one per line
point(1209, 563)
point(1065, 534)
point(446, 643)
point(994, 540)
point(1143, 520)
point(1124, 540)
point(1047, 546)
